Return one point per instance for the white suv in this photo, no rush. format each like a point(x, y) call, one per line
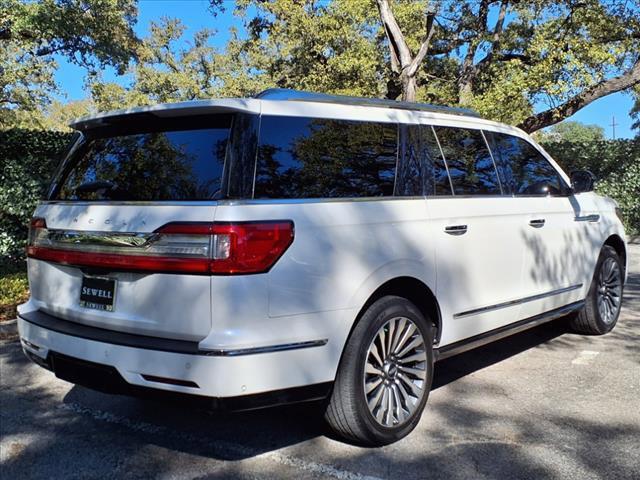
point(299, 246)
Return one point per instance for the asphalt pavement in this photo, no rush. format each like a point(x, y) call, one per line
point(545, 403)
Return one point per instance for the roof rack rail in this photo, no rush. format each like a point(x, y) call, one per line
point(302, 96)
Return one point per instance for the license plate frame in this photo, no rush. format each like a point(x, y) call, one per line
point(98, 293)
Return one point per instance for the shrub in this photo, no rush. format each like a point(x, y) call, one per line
point(27, 161)
point(14, 290)
point(616, 165)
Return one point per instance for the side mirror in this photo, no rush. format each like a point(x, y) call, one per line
point(582, 181)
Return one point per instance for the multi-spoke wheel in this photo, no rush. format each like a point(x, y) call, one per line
point(385, 374)
point(609, 290)
point(396, 372)
point(603, 302)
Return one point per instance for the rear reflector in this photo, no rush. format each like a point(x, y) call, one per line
point(170, 381)
point(195, 248)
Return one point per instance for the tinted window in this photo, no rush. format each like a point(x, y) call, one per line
point(321, 158)
point(158, 165)
point(470, 164)
point(421, 169)
point(524, 169)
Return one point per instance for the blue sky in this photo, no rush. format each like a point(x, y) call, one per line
point(195, 16)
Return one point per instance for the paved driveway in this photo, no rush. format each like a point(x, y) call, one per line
point(544, 403)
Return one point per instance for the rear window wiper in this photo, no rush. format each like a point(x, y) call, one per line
point(94, 186)
point(105, 189)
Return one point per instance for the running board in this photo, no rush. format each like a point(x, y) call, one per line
point(502, 332)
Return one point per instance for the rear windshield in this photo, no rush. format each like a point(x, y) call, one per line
point(146, 162)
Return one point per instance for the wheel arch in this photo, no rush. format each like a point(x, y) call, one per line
point(414, 290)
point(616, 242)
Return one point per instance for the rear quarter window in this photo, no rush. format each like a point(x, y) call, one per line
point(301, 157)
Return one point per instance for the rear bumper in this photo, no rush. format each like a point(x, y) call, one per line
point(123, 363)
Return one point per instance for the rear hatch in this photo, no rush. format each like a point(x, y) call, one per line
point(109, 247)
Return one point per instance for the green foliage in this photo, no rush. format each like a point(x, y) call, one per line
point(572, 132)
point(616, 165)
point(14, 290)
point(28, 159)
point(624, 187)
point(90, 33)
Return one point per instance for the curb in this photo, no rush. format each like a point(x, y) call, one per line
point(634, 240)
point(9, 328)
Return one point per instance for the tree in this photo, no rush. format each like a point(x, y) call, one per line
point(165, 72)
point(575, 132)
point(527, 63)
point(635, 111)
point(502, 57)
point(90, 33)
point(570, 52)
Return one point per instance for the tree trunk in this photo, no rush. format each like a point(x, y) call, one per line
point(409, 88)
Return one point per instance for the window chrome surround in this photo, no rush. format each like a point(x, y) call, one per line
point(519, 301)
point(194, 203)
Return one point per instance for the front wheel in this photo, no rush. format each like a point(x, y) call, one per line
point(385, 374)
point(604, 300)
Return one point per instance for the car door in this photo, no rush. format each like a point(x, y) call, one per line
point(475, 231)
point(558, 239)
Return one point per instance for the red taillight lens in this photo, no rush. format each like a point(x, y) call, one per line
point(200, 248)
point(244, 247)
point(36, 227)
point(249, 247)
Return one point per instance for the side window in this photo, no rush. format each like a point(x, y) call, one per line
point(321, 158)
point(525, 170)
point(421, 169)
point(470, 164)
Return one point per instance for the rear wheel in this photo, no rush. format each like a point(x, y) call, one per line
point(385, 374)
point(602, 305)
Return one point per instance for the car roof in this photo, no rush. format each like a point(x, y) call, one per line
point(278, 101)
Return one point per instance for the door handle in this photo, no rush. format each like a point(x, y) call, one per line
point(456, 229)
point(537, 222)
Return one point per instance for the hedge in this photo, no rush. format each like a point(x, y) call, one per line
point(616, 165)
point(28, 159)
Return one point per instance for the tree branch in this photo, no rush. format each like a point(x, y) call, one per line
point(424, 48)
point(497, 33)
point(571, 106)
point(468, 71)
point(397, 42)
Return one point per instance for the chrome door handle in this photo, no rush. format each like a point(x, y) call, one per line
point(456, 229)
point(537, 223)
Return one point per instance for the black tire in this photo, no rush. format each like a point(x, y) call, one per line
point(348, 412)
point(589, 320)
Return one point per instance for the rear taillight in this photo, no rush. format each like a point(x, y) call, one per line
point(199, 248)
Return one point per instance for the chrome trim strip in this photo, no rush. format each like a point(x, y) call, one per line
point(185, 203)
point(267, 349)
point(275, 201)
point(78, 238)
point(290, 201)
point(49, 322)
point(587, 218)
point(511, 303)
